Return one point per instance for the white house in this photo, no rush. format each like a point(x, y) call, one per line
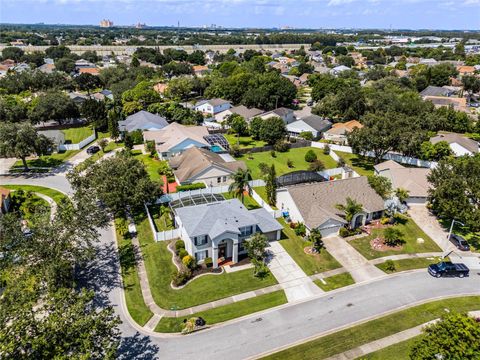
point(314, 124)
point(459, 144)
point(212, 106)
point(314, 204)
point(241, 110)
point(218, 230)
point(286, 114)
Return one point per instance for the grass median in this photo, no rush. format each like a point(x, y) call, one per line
point(56, 195)
point(407, 264)
point(335, 282)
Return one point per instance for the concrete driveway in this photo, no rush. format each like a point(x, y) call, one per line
point(430, 225)
point(6, 164)
point(354, 262)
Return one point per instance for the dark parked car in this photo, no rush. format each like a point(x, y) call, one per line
point(310, 102)
point(93, 149)
point(447, 268)
point(459, 242)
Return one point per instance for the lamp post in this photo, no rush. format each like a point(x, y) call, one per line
point(451, 227)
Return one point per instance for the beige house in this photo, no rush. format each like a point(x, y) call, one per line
point(202, 165)
point(339, 131)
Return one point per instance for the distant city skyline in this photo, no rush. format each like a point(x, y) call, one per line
point(315, 14)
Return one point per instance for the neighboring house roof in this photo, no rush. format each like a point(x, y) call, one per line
point(88, 70)
point(217, 218)
point(194, 161)
point(435, 91)
point(47, 68)
point(174, 134)
point(245, 112)
point(282, 112)
point(469, 144)
point(458, 103)
point(142, 120)
point(339, 68)
point(316, 122)
point(344, 128)
point(77, 97)
point(160, 88)
point(213, 102)
point(316, 201)
point(200, 68)
point(466, 69)
point(57, 136)
point(4, 192)
point(389, 164)
point(414, 180)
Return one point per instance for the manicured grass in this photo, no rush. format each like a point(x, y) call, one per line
point(162, 221)
point(248, 201)
point(399, 351)
point(262, 192)
point(353, 337)
point(75, 135)
point(49, 161)
point(137, 308)
point(151, 164)
point(227, 312)
point(244, 141)
point(411, 232)
point(159, 265)
point(280, 161)
point(335, 282)
point(310, 264)
point(362, 165)
point(57, 196)
point(409, 264)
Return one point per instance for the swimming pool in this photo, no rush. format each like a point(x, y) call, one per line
point(216, 148)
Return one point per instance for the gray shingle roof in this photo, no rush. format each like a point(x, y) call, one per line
point(317, 122)
point(435, 91)
point(142, 120)
point(469, 144)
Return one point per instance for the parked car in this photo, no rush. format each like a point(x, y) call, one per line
point(93, 149)
point(309, 102)
point(459, 242)
point(447, 268)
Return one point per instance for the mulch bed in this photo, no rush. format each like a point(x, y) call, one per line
point(379, 245)
point(309, 250)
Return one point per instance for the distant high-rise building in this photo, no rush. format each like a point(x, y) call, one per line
point(106, 23)
point(140, 25)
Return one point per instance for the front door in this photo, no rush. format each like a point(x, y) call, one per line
point(222, 251)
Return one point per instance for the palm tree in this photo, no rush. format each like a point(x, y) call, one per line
point(402, 194)
point(350, 209)
point(240, 184)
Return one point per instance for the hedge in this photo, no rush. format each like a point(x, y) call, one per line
point(188, 187)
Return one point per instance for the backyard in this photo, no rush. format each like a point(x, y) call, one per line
point(262, 192)
point(310, 264)
point(152, 165)
point(245, 142)
point(159, 266)
point(75, 135)
point(411, 233)
point(162, 218)
point(248, 201)
point(362, 165)
point(297, 156)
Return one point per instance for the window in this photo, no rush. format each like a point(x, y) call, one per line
point(224, 179)
point(219, 180)
point(200, 240)
point(245, 231)
point(201, 255)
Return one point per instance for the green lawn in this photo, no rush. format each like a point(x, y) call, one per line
point(280, 161)
point(133, 293)
point(151, 164)
point(227, 312)
point(399, 351)
point(362, 165)
point(335, 282)
point(244, 141)
point(262, 192)
point(411, 232)
point(353, 337)
point(409, 264)
point(159, 265)
point(248, 201)
point(310, 264)
point(162, 221)
point(75, 135)
point(57, 196)
point(49, 161)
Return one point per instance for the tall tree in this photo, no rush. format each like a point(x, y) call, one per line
point(271, 185)
point(21, 140)
point(381, 185)
point(53, 105)
point(95, 112)
point(240, 184)
point(87, 82)
point(272, 130)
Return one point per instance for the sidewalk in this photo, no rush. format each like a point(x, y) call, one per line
point(358, 266)
point(296, 284)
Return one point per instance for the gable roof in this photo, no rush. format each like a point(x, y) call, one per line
point(389, 164)
point(458, 103)
point(318, 123)
point(142, 120)
point(194, 161)
point(469, 144)
point(176, 133)
point(435, 91)
point(412, 179)
point(316, 201)
point(245, 112)
point(343, 128)
point(213, 102)
point(219, 217)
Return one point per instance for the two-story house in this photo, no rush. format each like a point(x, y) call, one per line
point(212, 106)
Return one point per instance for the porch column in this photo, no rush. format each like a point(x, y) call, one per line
point(235, 252)
point(215, 257)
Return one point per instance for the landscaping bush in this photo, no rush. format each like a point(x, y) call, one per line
point(180, 244)
point(103, 144)
point(281, 146)
point(393, 237)
point(264, 168)
point(390, 266)
point(273, 154)
point(150, 147)
point(326, 150)
point(137, 137)
point(235, 150)
point(189, 262)
point(300, 229)
point(181, 277)
point(189, 187)
point(122, 226)
point(307, 135)
point(182, 253)
point(385, 220)
point(316, 165)
point(310, 156)
point(289, 163)
point(208, 262)
point(344, 232)
point(260, 269)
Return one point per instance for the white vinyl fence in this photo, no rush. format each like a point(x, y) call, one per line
point(161, 235)
point(78, 146)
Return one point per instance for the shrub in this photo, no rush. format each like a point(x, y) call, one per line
point(307, 135)
point(390, 266)
point(326, 150)
point(264, 168)
point(310, 156)
point(181, 277)
point(235, 150)
point(300, 229)
point(289, 163)
point(189, 262)
point(137, 137)
point(182, 253)
point(122, 226)
point(103, 144)
point(281, 146)
point(260, 269)
point(340, 162)
point(150, 147)
point(344, 232)
point(208, 262)
point(393, 236)
point(385, 220)
point(180, 244)
point(293, 225)
point(273, 154)
point(316, 165)
point(193, 186)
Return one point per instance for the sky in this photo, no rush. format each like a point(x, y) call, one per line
point(316, 14)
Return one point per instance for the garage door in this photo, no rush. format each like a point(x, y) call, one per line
point(330, 231)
